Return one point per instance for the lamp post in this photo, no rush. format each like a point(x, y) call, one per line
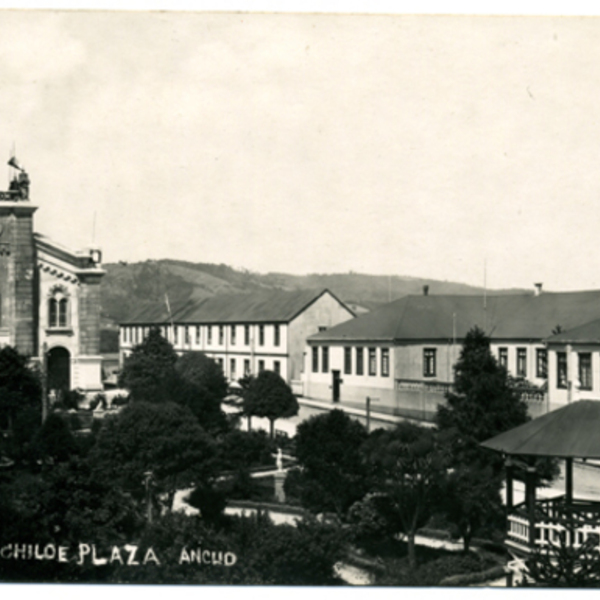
point(44, 381)
point(148, 476)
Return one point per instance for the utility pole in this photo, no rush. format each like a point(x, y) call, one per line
point(369, 400)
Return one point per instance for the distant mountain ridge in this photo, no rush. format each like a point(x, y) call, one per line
point(128, 287)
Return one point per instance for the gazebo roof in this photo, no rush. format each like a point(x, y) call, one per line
point(572, 431)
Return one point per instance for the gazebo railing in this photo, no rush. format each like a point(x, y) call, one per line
point(578, 521)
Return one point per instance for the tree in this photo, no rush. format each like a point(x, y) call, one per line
point(269, 396)
point(162, 439)
point(149, 371)
point(328, 448)
point(409, 470)
point(55, 440)
point(201, 387)
point(472, 500)
point(482, 405)
point(20, 386)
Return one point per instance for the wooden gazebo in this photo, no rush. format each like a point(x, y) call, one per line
point(571, 432)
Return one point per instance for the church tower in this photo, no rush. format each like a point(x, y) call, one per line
point(18, 302)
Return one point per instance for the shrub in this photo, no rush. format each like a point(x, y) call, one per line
point(120, 400)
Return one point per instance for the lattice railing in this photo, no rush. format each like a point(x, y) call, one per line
point(579, 521)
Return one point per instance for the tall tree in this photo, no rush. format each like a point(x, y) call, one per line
point(328, 448)
point(201, 387)
point(149, 372)
point(164, 440)
point(268, 395)
point(409, 469)
point(482, 404)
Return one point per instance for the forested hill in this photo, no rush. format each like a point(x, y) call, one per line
point(130, 286)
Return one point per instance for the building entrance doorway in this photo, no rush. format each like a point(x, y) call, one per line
point(335, 385)
point(59, 370)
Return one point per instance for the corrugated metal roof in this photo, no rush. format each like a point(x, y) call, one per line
point(271, 307)
point(570, 431)
point(518, 317)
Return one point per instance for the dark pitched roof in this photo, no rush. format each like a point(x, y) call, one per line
point(518, 317)
point(272, 307)
point(570, 431)
point(588, 333)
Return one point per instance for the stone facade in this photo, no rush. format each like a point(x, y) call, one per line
point(49, 298)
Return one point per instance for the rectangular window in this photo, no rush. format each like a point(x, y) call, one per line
point(232, 368)
point(276, 336)
point(561, 369)
point(521, 362)
point(261, 365)
point(197, 334)
point(277, 367)
point(541, 368)
point(209, 335)
point(175, 334)
point(261, 335)
point(503, 357)
point(246, 366)
point(221, 335)
point(233, 335)
point(585, 371)
point(372, 361)
point(325, 359)
point(315, 359)
point(220, 363)
point(385, 362)
point(429, 362)
point(348, 361)
point(360, 364)
point(247, 335)
point(187, 334)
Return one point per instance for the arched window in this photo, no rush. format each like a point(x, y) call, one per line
point(58, 308)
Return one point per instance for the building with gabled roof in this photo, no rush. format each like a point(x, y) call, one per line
point(402, 355)
point(244, 333)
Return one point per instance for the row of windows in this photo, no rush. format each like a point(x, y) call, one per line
point(136, 335)
point(233, 364)
point(541, 361)
point(584, 363)
point(354, 360)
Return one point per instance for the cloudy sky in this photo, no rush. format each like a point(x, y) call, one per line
point(422, 146)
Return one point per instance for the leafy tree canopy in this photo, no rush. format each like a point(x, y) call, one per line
point(328, 448)
point(164, 439)
point(149, 371)
point(268, 395)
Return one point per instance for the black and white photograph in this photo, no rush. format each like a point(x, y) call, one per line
point(299, 299)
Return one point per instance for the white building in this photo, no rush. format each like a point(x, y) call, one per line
point(402, 355)
point(244, 333)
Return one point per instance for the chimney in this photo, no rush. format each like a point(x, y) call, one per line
point(425, 290)
point(537, 289)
